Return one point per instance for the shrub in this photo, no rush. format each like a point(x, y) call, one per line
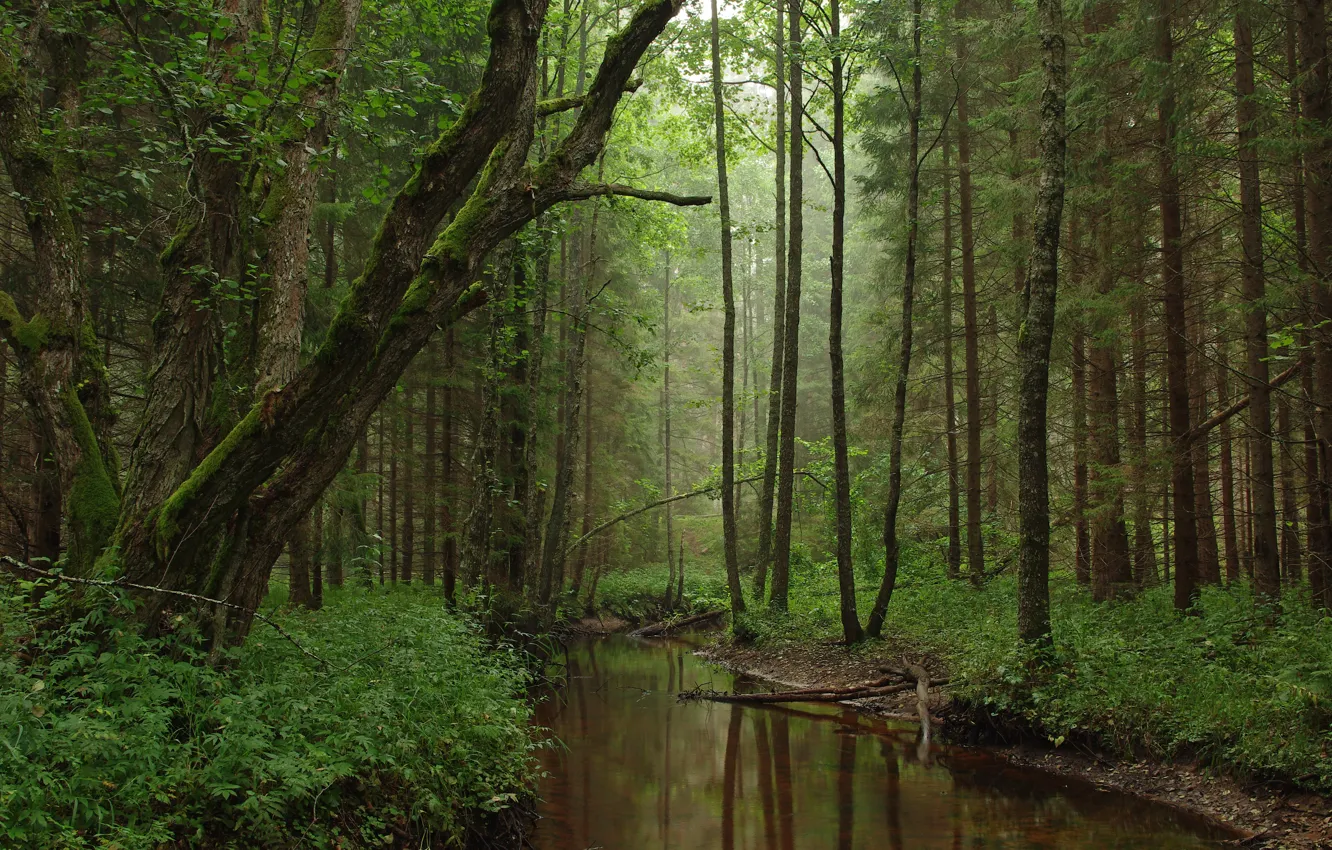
point(111, 739)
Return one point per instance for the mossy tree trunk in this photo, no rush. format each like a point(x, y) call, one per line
point(219, 529)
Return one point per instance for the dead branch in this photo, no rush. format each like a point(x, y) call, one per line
point(1196, 433)
point(17, 564)
point(665, 627)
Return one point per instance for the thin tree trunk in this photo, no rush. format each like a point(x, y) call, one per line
point(431, 459)
point(1081, 533)
point(1291, 556)
point(772, 450)
point(891, 545)
point(1209, 556)
point(950, 404)
point(666, 424)
point(408, 481)
point(1144, 549)
point(1228, 531)
point(975, 545)
point(1037, 330)
point(791, 339)
point(393, 496)
point(450, 548)
point(729, 531)
point(1112, 572)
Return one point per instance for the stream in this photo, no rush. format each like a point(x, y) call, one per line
point(635, 769)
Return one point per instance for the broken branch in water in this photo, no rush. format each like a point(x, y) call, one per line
point(665, 627)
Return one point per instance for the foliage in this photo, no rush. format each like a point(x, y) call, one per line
point(113, 739)
point(637, 594)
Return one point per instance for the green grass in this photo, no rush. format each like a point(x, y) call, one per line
point(111, 740)
point(1229, 686)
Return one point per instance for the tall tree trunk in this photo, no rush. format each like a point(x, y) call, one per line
point(557, 529)
point(394, 451)
point(1291, 556)
point(791, 339)
point(1267, 570)
point(450, 548)
point(408, 480)
point(431, 460)
point(729, 531)
point(950, 405)
point(1209, 555)
point(1176, 330)
point(1229, 537)
point(1112, 572)
point(1144, 548)
point(772, 447)
point(1081, 534)
point(1037, 331)
point(666, 424)
point(533, 497)
point(380, 530)
point(890, 542)
point(975, 545)
point(1316, 104)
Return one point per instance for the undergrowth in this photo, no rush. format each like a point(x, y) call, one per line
point(412, 728)
point(639, 594)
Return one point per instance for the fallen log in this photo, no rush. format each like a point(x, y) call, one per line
point(665, 627)
point(802, 695)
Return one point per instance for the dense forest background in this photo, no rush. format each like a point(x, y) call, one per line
point(444, 293)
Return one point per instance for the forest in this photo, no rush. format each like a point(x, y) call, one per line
point(359, 356)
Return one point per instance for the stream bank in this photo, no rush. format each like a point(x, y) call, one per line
point(1267, 815)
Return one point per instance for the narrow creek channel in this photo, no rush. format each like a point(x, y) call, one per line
point(635, 769)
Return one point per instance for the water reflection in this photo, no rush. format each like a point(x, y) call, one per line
point(639, 770)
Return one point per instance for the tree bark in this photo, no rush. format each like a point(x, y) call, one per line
point(1229, 536)
point(1034, 337)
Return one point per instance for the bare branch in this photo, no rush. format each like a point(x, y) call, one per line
point(583, 191)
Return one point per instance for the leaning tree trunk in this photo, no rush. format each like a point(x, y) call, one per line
point(1034, 337)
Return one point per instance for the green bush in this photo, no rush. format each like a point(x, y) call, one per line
point(113, 740)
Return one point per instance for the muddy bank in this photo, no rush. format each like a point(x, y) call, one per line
point(1264, 816)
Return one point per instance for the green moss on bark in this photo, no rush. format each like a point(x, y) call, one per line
point(167, 522)
point(93, 500)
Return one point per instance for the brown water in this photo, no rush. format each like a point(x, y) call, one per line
point(638, 770)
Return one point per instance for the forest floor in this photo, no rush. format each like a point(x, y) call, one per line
point(1261, 815)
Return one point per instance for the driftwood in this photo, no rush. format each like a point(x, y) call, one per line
point(922, 699)
point(877, 688)
point(665, 627)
